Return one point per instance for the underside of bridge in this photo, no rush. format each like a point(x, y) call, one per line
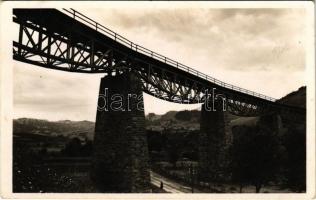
point(72, 42)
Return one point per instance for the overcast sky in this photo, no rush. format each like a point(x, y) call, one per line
point(256, 49)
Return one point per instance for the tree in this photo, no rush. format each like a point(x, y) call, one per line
point(73, 147)
point(254, 156)
point(184, 115)
point(173, 148)
point(86, 149)
point(295, 173)
point(151, 116)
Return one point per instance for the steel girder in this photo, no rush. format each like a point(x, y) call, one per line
point(39, 46)
point(75, 51)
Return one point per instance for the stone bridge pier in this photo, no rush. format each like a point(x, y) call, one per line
point(216, 138)
point(120, 157)
point(215, 135)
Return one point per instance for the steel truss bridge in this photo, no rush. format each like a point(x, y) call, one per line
point(68, 40)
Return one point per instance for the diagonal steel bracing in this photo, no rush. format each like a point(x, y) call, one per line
point(70, 41)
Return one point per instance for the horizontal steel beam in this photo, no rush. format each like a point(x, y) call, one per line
point(56, 41)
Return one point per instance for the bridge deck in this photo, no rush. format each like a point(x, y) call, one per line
point(57, 22)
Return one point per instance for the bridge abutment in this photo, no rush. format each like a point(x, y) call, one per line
point(120, 158)
point(214, 140)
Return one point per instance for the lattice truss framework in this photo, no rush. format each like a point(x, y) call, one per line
point(39, 46)
point(43, 47)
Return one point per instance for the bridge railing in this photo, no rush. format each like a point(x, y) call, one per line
point(122, 40)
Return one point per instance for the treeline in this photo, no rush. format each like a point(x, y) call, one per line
point(172, 146)
point(77, 148)
point(259, 155)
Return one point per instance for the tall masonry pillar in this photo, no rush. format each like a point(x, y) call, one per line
point(120, 156)
point(213, 143)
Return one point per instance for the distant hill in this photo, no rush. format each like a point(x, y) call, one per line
point(185, 120)
point(66, 128)
point(174, 120)
point(178, 121)
point(296, 98)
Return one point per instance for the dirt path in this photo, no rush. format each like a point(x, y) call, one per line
point(169, 185)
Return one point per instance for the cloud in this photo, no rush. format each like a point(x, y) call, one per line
point(54, 93)
point(237, 39)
